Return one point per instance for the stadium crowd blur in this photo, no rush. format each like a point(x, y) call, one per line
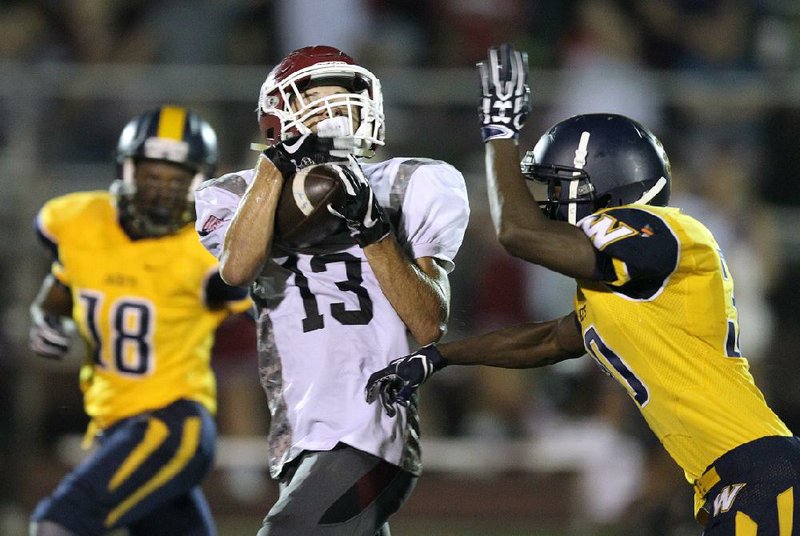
point(736, 165)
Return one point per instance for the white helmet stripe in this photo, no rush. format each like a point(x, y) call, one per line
point(578, 162)
point(652, 192)
point(581, 152)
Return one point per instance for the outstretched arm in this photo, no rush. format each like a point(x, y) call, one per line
point(521, 227)
point(529, 345)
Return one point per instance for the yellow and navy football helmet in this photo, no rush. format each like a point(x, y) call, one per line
point(283, 109)
point(170, 134)
point(595, 161)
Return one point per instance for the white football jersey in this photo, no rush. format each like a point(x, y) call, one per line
point(325, 325)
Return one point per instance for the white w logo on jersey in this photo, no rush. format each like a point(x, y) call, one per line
point(724, 499)
point(603, 230)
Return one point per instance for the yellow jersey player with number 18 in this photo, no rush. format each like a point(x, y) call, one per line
point(146, 297)
point(654, 305)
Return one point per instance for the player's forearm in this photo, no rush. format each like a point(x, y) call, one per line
point(529, 345)
point(53, 298)
point(519, 223)
point(511, 205)
point(249, 236)
point(521, 227)
point(419, 294)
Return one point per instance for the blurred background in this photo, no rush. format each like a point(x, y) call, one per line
point(551, 452)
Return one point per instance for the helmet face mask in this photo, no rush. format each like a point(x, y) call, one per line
point(595, 161)
point(162, 157)
point(158, 203)
point(285, 109)
point(568, 189)
point(326, 106)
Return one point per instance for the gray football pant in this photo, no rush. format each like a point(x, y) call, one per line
point(341, 492)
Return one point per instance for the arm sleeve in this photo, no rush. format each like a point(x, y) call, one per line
point(435, 212)
point(635, 248)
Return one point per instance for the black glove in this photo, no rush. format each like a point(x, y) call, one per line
point(48, 336)
point(364, 217)
point(301, 151)
point(506, 96)
point(396, 383)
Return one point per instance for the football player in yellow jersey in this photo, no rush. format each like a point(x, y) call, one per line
point(654, 305)
point(146, 298)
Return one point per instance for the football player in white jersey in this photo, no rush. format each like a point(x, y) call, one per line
point(330, 316)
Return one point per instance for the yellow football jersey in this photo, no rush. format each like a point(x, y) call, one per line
point(139, 305)
point(663, 323)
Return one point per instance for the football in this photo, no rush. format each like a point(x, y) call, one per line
point(302, 220)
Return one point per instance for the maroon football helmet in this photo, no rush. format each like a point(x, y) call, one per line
point(283, 109)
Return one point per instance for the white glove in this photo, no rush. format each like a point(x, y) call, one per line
point(506, 96)
point(49, 335)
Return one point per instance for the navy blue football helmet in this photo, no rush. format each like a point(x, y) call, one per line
point(595, 161)
point(168, 134)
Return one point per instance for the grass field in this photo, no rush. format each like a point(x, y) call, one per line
point(247, 526)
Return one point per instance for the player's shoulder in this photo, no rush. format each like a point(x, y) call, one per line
point(644, 219)
point(75, 206)
point(79, 201)
point(637, 247)
point(640, 213)
point(407, 166)
point(660, 220)
point(235, 183)
point(186, 241)
point(629, 227)
point(401, 174)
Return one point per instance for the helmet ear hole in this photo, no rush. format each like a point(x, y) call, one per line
point(266, 126)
